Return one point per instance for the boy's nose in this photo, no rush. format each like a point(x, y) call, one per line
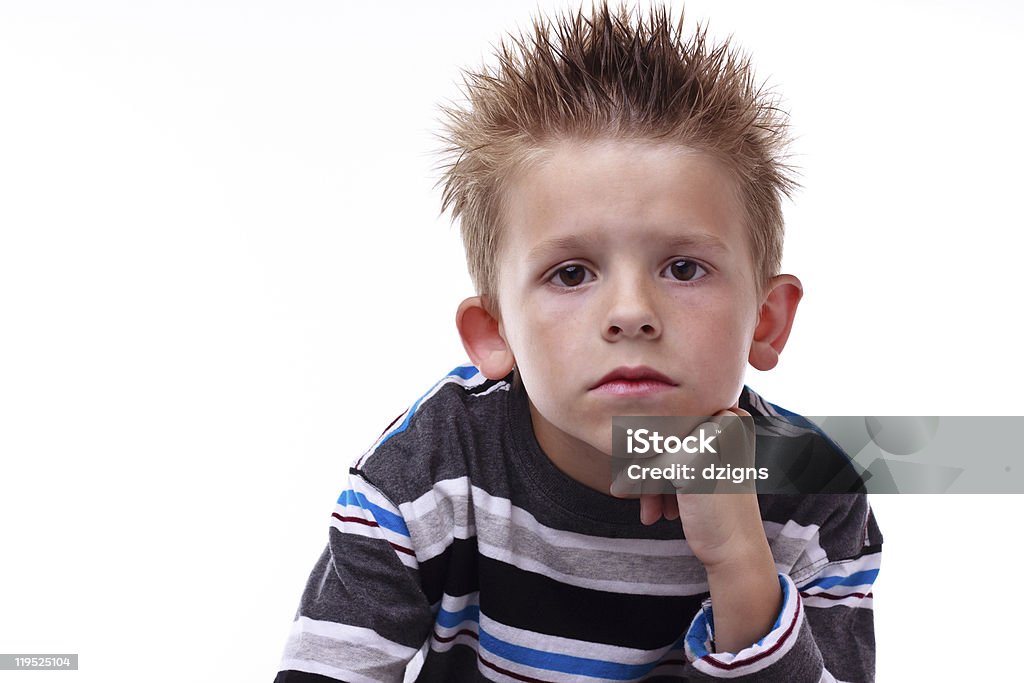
point(632, 314)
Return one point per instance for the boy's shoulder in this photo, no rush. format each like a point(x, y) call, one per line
point(456, 430)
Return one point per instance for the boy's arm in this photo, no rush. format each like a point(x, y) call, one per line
point(363, 614)
point(824, 630)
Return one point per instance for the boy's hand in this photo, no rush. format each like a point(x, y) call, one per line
point(725, 533)
point(718, 527)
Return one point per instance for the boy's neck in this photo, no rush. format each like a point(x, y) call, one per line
point(578, 460)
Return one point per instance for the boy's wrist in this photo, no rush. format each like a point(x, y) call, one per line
point(746, 554)
point(746, 602)
point(753, 569)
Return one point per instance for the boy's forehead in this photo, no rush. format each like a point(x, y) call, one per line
point(575, 193)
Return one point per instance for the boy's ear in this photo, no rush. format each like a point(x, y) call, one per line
point(481, 337)
point(775, 321)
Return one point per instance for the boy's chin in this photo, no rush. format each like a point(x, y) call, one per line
point(601, 448)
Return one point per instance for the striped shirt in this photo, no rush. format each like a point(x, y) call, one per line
point(460, 547)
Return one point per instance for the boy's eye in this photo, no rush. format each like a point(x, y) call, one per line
point(685, 271)
point(570, 276)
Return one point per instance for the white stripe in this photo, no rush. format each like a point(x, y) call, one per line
point(837, 590)
point(457, 603)
point(490, 674)
point(852, 601)
point(445, 489)
point(356, 529)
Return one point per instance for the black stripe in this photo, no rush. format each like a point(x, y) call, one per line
point(867, 550)
point(453, 572)
point(488, 385)
point(533, 602)
point(302, 677)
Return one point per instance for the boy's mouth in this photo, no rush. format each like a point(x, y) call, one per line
point(636, 381)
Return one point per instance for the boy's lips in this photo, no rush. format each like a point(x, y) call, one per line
point(633, 381)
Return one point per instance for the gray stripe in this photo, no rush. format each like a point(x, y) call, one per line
point(605, 564)
point(342, 655)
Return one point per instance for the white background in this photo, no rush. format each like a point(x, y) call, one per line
point(223, 272)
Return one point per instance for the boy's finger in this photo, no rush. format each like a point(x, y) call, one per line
point(650, 508)
point(670, 507)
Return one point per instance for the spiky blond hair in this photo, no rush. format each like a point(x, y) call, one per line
point(620, 75)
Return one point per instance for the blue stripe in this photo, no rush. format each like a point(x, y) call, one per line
point(864, 578)
point(385, 518)
point(453, 619)
point(697, 634)
point(569, 664)
point(463, 371)
point(538, 659)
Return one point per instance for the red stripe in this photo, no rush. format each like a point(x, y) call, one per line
point(829, 596)
point(401, 549)
point(367, 522)
point(750, 660)
point(357, 520)
point(448, 639)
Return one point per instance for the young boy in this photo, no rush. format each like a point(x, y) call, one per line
point(619, 192)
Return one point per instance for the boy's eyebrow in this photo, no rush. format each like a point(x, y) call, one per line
point(683, 242)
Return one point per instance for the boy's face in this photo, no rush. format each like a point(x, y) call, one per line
point(626, 288)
